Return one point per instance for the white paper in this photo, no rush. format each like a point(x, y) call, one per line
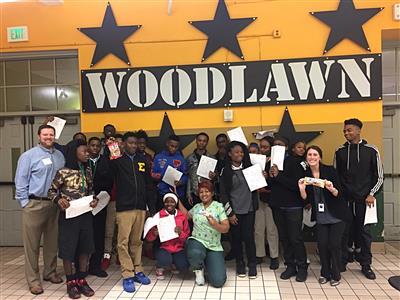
point(171, 175)
point(237, 134)
point(371, 215)
point(262, 134)
point(259, 159)
point(278, 156)
point(307, 218)
point(78, 207)
point(254, 177)
point(206, 165)
point(150, 223)
point(104, 198)
point(58, 125)
point(166, 228)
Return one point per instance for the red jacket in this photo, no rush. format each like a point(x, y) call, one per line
point(178, 244)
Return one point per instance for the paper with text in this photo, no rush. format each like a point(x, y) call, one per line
point(237, 134)
point(259, 159)
point(58, 125)
point(103, 198)
point(371, 215)
point(206, 165)
point(171, 175)
point(78, 207)
point(254, 177)
point(278, 156)
point(166, 229)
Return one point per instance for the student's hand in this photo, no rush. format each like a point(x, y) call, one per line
point(63, 203)
point(233, 220)
point(370, 201)
point(212, 175)
point(211, 220)
point(178, 183)
point(273, 172)
point(48, 119)
point(93, 203)
point(301, 184)
point(110, 140)
point(178, 230)
point(329, 186)
point(265, 174)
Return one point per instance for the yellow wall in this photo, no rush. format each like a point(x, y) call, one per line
point(170, 40)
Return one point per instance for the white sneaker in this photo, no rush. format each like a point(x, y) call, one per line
point(199, 276)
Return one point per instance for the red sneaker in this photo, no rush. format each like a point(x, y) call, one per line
point(105, 262)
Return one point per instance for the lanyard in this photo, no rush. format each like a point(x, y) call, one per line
point(83, 173)
point(93, 166)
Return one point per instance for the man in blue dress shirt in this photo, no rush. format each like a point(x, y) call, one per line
point(35, 171)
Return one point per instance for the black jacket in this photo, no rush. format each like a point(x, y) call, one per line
point(360, 170)
point(284, 188)
point(102, 176)
point(336, 205)
point(133, 182)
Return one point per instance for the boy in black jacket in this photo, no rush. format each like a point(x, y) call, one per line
point(361, 175)
point(135, 192)
point(102, 181)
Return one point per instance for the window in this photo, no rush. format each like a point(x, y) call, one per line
point(391, 74)
point(39, 84)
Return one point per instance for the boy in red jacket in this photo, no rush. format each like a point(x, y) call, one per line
point(171, 253)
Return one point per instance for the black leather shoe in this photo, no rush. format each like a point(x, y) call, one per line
point(99, 273)
point(289, 272)
point(301, 275)
point(368, 273)
point(274, 264)
point(84, 288)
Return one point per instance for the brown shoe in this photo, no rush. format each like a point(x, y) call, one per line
point(36, 290)
point(72, 289)
point(55, 278)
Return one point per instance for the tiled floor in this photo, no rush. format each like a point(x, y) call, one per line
point(267, 286)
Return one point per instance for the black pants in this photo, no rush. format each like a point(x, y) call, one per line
point(362, 236)
point(329, 237)
point(243, 232)
point(99, 227)
point(289, 223)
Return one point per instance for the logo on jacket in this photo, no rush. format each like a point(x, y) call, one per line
point(162, 163)
point(141, 166)
point(176, 163)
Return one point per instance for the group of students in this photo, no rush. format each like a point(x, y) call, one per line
point(203, 209)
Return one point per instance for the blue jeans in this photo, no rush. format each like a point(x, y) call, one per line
point(166, 259)
point(200, 257)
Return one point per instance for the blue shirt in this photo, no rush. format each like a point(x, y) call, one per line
point(35, 171)
point(177, 161)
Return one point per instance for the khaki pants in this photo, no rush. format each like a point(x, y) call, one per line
point(110, 227)
point(265, 225)
point(130, 228)
point(39, 217)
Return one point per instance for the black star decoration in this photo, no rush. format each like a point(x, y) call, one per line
point(109, 37)
point(222, 31)
point(287, 130)
point(346, 22)
point(157, 143)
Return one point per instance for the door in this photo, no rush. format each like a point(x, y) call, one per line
point(18, 134)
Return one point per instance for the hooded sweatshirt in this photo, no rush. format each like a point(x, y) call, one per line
point(360, 170)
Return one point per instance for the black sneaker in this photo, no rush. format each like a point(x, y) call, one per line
point(289, 272)
point(259, 260)
point(252, 272)
point(99, 273)
point(301, 275)
point(367, 271)
point(73, 290)
point(274, 264)
point(240, 269)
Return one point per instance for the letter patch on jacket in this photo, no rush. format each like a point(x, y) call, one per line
point(141, 166)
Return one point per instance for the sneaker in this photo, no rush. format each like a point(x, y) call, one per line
point(84, 288)
point(160, 274)
point(105, 262)
point(240, 269)
point(259, 260)
point(141, 278)
point(199, 277)
point(98, 272)
point(334, 282)
point(252, 272)
point(301, 275)
point(72, 289)
point(274, 263)
point(129, 285)
point(289, 272)
point(322, 280)
point(368, 273)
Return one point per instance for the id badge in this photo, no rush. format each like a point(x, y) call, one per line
point(321, 207)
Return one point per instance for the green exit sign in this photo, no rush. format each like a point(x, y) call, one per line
point(17, 34)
